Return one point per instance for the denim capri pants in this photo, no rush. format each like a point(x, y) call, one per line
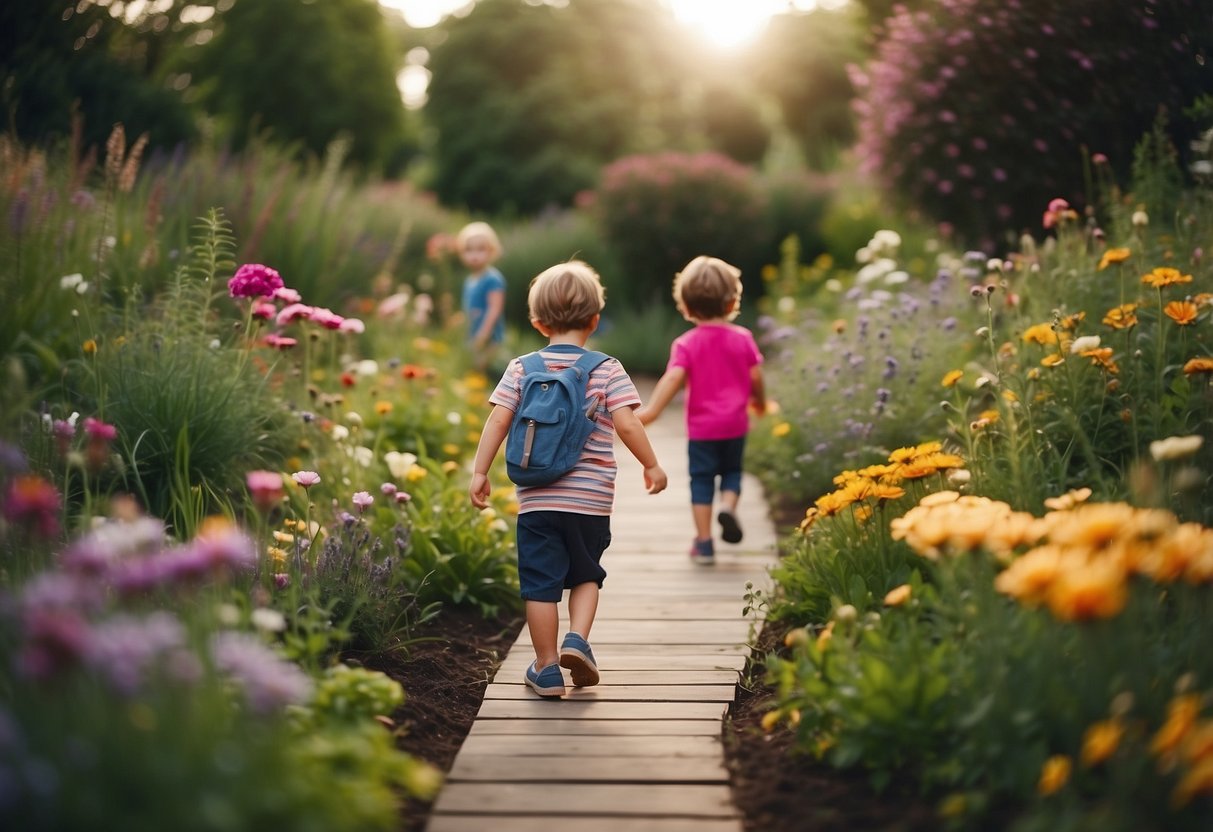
point(712, 458)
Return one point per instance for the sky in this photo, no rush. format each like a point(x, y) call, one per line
point(727, 23)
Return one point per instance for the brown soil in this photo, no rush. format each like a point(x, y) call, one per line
point(444, 682)
point(778, 791)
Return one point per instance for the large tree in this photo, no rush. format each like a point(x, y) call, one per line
point(529, 100)
point(304, 72)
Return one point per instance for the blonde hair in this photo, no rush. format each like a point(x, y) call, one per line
point(478, 231)
point(706, 288)
point(566, 297)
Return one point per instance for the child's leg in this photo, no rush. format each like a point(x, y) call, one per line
point(702, 515)
point(583, 605)
point(701, 459)
point(543, 622)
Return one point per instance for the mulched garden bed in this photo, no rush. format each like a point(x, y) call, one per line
point(444, 682)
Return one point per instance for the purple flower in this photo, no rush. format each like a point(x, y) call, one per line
point(123, 648)
point(269, 682)
point(363, 500)
point(388, 489)
point(253, 280)
point(306, 478)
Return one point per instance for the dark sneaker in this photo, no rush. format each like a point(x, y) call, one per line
point(576, 655)
point(730, 529)
point(546, 682)
point(702, 551)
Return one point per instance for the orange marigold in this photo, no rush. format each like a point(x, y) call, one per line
point(1183, 312)
point(1114, 255)
point(1121, 317)
point(1201, 364)
point(1165, 276)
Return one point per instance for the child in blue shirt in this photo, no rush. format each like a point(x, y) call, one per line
point(483, 299)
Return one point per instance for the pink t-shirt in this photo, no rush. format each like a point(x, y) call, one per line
point(717, 358)
point(589, 488)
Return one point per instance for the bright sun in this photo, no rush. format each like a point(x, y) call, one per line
point(727, 23)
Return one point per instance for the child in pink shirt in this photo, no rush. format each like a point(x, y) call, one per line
point(720, 364)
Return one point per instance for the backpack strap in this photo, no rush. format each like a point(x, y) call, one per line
point(586, 364)
point(532, 362)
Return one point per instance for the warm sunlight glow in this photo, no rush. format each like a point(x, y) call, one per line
point(421, 14)
point(731, 23)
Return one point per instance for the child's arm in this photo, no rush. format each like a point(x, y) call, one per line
point(495, 429)
point(663, 393)
point(495, 306)
point(758, 392)
point(631, 431)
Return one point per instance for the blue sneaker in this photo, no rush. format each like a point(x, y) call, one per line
point(546, 682)
point(576, 655)
point(703, 551)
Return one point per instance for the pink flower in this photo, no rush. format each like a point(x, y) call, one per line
point(253, 280)
point(279, 342)
point(305, 478)
point(293, 312)
point(363, 500)
point(327, 318)
point(264, 310)
point(353, 325)
point(282, 580)
point(34, 503)
point(266, 488)
point(388, 489)
point(287, 295)
point(403, 496)
point(97, 429)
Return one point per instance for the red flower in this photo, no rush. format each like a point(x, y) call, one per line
point(348, 380)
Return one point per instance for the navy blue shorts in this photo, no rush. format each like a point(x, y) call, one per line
point(558, 550)
point(712, 458)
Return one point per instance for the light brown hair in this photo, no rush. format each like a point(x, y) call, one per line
point(706, 288)
point(566, 296)
point(478, 231)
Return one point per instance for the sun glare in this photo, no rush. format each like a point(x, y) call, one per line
point(731, 23)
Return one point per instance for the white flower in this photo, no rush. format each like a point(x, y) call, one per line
point(959, 476)
point(454, 417)
point(364, 456)
point(399, 463)
point(340, 433)
point(1175, 447)
point(488, 513)
point(864, 255)
point(228, 614)
point(267, 620)
point(215, 344)
point(1086, 342)
point(1140, 219)
point(896, 278)
point(354, 418)
point(846, 613)
point(833, 285)
point(886, 240)
point(70, 281)
point(499, 525)
point(994, 265)
point(786, 304)
point(367, 368)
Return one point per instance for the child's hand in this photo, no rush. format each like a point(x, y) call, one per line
point(644, 414)
point(768, 408)
point(655, 479)
point(479, 490)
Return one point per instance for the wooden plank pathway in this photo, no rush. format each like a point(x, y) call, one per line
point(641, 751)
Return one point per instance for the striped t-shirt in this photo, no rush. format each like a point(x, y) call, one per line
point(589, 488)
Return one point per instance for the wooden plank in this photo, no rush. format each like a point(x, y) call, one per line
point(659, 676)
point(609, 799)
point(556, 708)
point(536, 745)
point(623, 693)
point(634, 657)
point(566, 727)
point(596, 768)
point(569, 823)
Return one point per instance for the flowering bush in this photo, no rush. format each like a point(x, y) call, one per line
point(959, 93)
point(660, 211)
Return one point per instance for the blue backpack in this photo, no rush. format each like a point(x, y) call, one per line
point(552, 422)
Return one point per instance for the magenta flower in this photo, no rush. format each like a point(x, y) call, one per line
point(97, 429)
point(403, 496)
point(282, 580)
point(354, 325)
point(293, 312)
point(34, 503)
point(363, 500)
point(266, 488)
point(264, 310)
point(253, 280)
point(306, 478)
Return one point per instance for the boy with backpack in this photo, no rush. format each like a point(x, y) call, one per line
point(560, 408)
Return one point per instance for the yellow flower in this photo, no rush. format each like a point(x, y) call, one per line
point(383, 408)
point(810, 517)
point(1121, 317)
point(1102, 357)
point(449, 467)
point(1114, 255)
point(1070, 322)
point(450, 449)
point(1201, 364)
point(1101, 740)
point(839, 326)
point(780, 430)
point(1165, 276)
point(415, 473)
point(1052, 360)
point(1183, 312)
point(897, 596)
point(1040, 334)
point(769, 273)
point(89, 347)
point(1198, 780)
point(823, 638)
point(1054, 775)
point(1097, 589)
point(277, 555)
point(1068, 500)
point(1181, 717)
point(1033, 374)
point(769, 720)
point(951, 377)
point(883, 492)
